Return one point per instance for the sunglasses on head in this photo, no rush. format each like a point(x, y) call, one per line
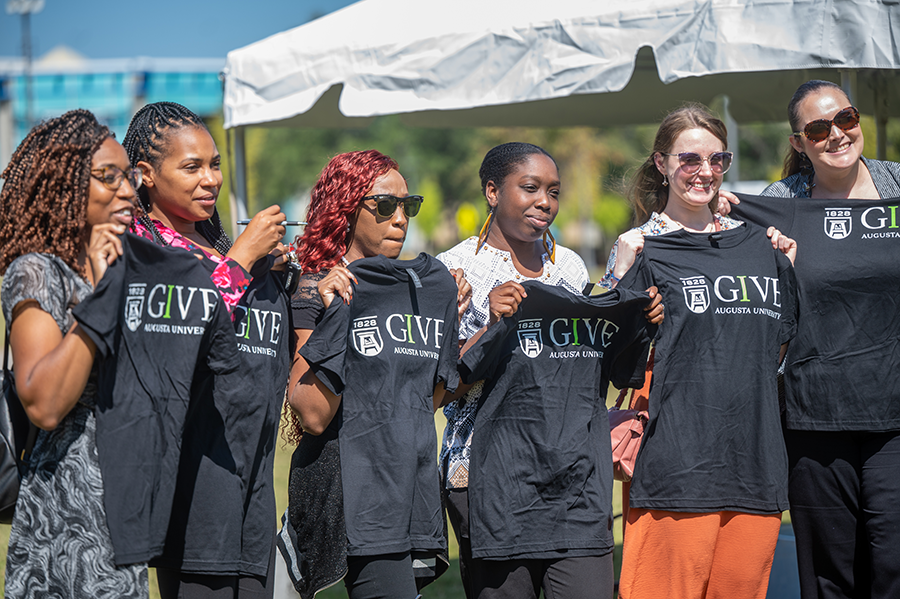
point(691, 162)
point(386, 205)
point(820, 129)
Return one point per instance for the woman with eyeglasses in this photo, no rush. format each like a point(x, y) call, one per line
point(360, 207)
point(68, 194)
point(844, 487)
point(710, 481)
point(221, 536)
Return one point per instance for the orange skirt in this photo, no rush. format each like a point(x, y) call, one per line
point(676, 555)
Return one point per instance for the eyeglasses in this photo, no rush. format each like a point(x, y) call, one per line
point(386, 205)
point(691, 162)
point(820, 129)
point(112, 177)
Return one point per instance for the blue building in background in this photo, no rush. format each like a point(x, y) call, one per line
point(113, 89)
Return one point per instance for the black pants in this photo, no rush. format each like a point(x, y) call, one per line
point(572, 577)
point(381, 577)
point(174, 584)
point(845, 509)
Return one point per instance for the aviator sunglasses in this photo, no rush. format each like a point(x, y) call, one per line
point(385, 205)
point(690, 162)
point(820, 129)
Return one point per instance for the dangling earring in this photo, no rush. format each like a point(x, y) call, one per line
point(485, 231)
point(551, 251)
point(665, 180)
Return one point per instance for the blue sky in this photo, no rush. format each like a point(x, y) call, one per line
point(157, 28)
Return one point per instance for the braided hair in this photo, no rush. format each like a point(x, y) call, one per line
point(147, 140)
point(501, 160)
point(43, 203)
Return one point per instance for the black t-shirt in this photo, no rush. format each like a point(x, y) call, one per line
point(223, 517)
point(841, 371)
point(161, 329)
point(384, 353)
point(540, 479)
point(714, 441)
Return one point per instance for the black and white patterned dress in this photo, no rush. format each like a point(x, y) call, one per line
point(59, 545)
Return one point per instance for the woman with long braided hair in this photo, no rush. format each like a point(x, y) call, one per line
point(221, 536)
point(68, 192)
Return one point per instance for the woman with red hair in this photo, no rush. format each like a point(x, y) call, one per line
point(359, 208)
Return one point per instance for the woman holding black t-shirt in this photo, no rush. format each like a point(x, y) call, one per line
point(521, 184)
point(360, 207)
point(710, 480)
point(225, 472)
point(844, 487)
point(68, 194)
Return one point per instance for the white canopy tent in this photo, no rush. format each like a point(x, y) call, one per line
point(561, 63)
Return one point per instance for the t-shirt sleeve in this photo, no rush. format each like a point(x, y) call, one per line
point(639, 277)
point(99, 313)
point(628, 366)
point(325, 350)
point(765, 212)
point(481, 360)
point(630, 362)
point(790, 301)
point(221, 346)
point(447, 370)
point(36, 277)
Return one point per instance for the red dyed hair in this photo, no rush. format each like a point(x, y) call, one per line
point(344, 182)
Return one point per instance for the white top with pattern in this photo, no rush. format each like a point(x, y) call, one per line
point(489, 268)
point(659, 224)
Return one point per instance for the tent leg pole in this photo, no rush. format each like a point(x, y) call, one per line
point(734, 173)
point(880, 97)
point(238, 197)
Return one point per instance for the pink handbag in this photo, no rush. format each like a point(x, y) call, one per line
point(626, 427)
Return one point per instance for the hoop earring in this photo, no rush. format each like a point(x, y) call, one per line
point(485, 231)
point(665, 180)
point(551, 251)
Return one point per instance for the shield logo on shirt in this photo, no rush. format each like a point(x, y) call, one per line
point(696, 294)
point(367, 341)
point(134, 306)
point(530, 342)
point(838, 223)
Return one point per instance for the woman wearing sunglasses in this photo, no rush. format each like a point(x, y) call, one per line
point(710, 481)
point(843, 471)
point(68, 194)
point(359, 208)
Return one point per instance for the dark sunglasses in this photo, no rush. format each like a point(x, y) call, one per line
point(386, 205)
point(691, 162)
point(112, 177)
point(820, 129)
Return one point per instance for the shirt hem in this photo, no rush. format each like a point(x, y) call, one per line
point(398, 547)
point(831, 426)
point(697, 506)
point(543, 551)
